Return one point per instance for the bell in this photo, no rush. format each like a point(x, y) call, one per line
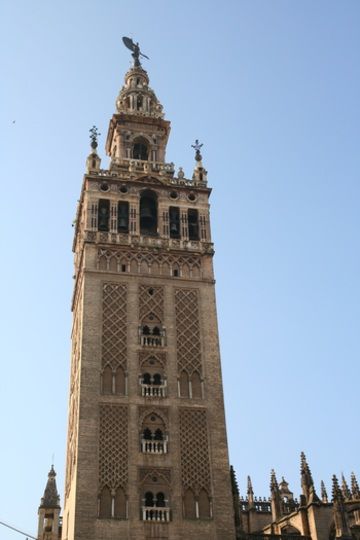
point(122, 222)
point(145, 213)
point(173, 227)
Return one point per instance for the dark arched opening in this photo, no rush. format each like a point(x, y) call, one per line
point(148, 213)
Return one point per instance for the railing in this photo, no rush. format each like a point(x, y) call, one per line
point(153, 390)
point(257, 536)
point(154, 447)
point(151, 513)
point(152, 341)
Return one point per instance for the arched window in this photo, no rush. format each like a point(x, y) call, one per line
point(120, 381)
point(140, 149)
point(204, 505)
point(157, 379)
point(189, 504)
point(146, 378)
point(107, 378)
point(160, 499)
point(149, 499)
point(103, 215)
point(139, 103)
point(158, 435)
point(120, 504)
point(196, 390)
point(147, 434)
point(184, 384)
point(148, 213)
point(105, 503)
point(146, 330)
point(156, 331)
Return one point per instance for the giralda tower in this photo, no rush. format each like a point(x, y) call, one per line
point(147, 452)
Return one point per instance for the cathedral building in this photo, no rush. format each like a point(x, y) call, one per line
point(147, 454)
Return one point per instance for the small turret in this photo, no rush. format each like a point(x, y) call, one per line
point(49, 510)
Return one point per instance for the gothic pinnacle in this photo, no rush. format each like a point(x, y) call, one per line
point(345, 488)
point(273, 482)
point(355, 490)
point(324, 495)
point(336, 491)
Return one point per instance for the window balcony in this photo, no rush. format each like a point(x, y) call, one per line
point(151, 513)
point(153, 446)
point(153, 390)
point(152, 341)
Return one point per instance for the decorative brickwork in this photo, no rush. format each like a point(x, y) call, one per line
point(151, 301)
point(113, 447)
point(194, 449)
point(114, 328)
point(118, 260)
point(187, 330)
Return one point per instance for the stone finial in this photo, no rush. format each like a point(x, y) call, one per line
point(324, 495)
point(51, 498)
point(345, 488)
point(93, 161)
point(354, 487)
point(200, 174)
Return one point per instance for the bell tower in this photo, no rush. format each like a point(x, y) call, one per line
point(147, 452)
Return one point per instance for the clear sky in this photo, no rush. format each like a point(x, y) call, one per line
point(271, 87)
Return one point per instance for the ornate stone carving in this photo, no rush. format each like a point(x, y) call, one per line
point(113, 446)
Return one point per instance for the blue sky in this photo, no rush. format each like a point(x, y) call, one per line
point(272, 90)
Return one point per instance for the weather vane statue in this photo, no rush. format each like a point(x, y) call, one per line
point(197, 147)
point(136, 53)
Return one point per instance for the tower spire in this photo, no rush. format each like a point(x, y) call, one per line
point(49, 510)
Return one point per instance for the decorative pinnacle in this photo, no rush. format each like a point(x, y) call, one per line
point(336, 491)
point(197, 146)
point(94, 134)
point(324, 495)
point(250, 490)
point(274, 486)
point(345, 488)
